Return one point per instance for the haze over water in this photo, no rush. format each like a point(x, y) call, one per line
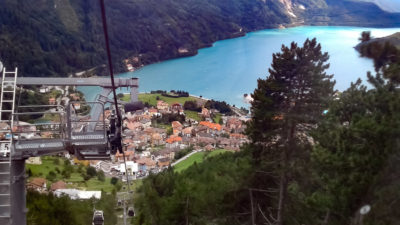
point(231, 67)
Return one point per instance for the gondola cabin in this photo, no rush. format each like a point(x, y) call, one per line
point(131, 212)
point(98, 218)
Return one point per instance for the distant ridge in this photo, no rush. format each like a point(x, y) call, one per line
point(387, 5)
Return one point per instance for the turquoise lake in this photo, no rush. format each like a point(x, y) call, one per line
point(230, 68)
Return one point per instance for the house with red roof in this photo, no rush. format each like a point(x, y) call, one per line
point(157, 139)
point(39, 184)
point(173, 141)
point(145, 164)
point(177, 108)
point(163, 162)
point(161, 105)
point(187, 132)
point(205, 113)
point(154, 112)
point(129, 155)
point(58, 185)
point(176, 127)
point(212, 128)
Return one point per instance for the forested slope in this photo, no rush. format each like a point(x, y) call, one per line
point(57, 37)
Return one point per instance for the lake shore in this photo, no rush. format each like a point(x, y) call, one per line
point(231, 67)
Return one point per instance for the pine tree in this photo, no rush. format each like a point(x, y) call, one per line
point(365, 36)
point(357, 147)
point(291, 99)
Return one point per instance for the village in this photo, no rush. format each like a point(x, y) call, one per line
point(161, 135)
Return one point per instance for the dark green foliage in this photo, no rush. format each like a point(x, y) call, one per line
point(222, 107)
point(120, 95)
point(114, 180)
point(66, 174)
point(30, 97)
point(191, 105)
point(59, 211)
point(29, 172)
point(51, 39)
point(80, 168)
point(202, 194)
point(46, 209)
point(381, 53)
point(67, 162)
point(169, 131)
point(181, 153)
point(297, 91)
point(285, 105)
point(86, 177)
point(118, 186)
point(101, 176)
point(351, 160)
point(91, 171)
point(168, 119)
point(44, 40)
point(51, 176)
point(358, 147)
point(56, 161)
point(68, 169)
point(365, 36)
point(175, 94)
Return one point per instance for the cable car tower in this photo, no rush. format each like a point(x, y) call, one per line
point(7, 100)
point(88, 137)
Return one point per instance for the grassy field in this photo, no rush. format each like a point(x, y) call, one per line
point(152, 99)
point(193, 115)
point(75, 181)
point(161, 125)
point(198, 158)
point(46, 166)
point(217, 117)
point(217, 152)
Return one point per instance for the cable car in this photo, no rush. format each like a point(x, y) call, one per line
point(98, 218)
point(131, 212)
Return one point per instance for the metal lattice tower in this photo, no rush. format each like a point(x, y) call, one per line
point(7, 105)
point(86, 137)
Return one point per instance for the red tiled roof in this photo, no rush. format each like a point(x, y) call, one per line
point(176, 124)
point(58, 185)
point(174, 139)
point(153, 110)
point(146, 161)
point(38, 181)
point(210, 125)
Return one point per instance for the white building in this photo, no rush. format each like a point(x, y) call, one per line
point(131, 166)
point(78, 194)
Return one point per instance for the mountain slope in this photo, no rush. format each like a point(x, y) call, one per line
point(387, 5)
point(57, 37)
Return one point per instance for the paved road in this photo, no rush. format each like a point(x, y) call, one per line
point(186, 156)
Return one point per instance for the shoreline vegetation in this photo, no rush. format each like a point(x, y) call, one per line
point(152, 98)
point(210, 45)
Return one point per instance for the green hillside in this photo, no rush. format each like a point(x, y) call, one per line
point(55, 38)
